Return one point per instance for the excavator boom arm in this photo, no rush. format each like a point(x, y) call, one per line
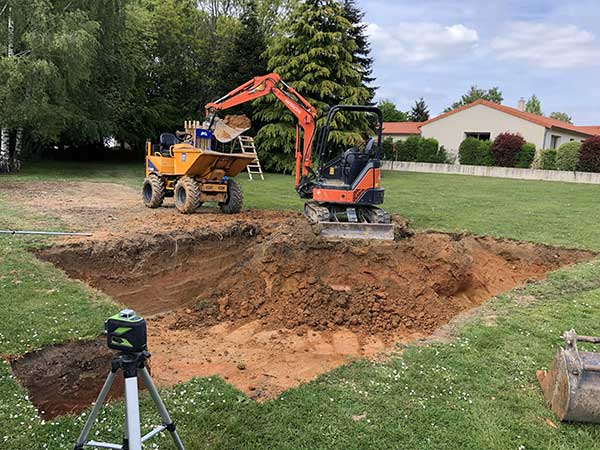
point(304, 112)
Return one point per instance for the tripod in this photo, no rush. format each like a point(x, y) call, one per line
point(131, 364)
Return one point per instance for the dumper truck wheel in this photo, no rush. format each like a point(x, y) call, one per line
point(235, 199)
point(187, 195)
point(153, 191)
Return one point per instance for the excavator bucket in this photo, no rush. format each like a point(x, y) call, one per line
point(224, 133)
point(347, 230)
point(572, 385)
point(350, 222)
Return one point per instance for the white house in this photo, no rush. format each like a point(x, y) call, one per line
point(485, 120)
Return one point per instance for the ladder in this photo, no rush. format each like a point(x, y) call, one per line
point(247, 146)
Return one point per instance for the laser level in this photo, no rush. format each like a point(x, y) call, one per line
point(126, 332)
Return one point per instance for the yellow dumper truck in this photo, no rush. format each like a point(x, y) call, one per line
point(183, 166)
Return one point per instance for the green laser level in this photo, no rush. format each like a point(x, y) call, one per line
point(126, 331)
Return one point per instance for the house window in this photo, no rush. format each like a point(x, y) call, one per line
point(554, 141)
point(479, 135)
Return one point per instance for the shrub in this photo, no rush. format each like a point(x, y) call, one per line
point(506, 148)
point(487, 158)
point(429, 151)
point(589, 157)
point(567, 156)
point(474, 152)
point(526, 156)
point(409, 149)
point(547, 159)
point(387, 149)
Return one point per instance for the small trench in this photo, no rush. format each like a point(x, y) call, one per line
point(268, 311)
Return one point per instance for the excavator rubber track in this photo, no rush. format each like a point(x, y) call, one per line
point(336, 222)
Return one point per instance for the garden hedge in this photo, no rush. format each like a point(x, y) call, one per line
point(567, 156)
point(548, 159)
point(526, 156)
point(474, 152)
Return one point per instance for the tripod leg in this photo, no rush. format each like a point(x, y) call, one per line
point(125, 431)
point(95, 410)
point(162, 410)
point(133, 413)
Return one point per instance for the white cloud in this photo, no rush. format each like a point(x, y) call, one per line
point(548, 46)
point(417, 43)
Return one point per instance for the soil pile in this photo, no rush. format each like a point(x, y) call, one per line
point(239, 121)
point(415, 285)
point(291, 279)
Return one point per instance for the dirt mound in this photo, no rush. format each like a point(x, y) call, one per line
point(290, 279)
point(239, 121)
point(412, 286)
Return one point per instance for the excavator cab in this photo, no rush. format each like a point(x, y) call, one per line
point(347, 184)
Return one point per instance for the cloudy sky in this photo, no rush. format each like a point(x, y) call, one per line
point(436, 49)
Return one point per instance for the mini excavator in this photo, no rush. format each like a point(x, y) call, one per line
point(343, 191)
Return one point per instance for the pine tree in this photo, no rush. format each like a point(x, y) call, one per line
point(362, 54)
point(534, 106)
point(313, 53)
point(419, 112)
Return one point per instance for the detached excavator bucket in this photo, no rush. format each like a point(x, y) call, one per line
point(572, 385)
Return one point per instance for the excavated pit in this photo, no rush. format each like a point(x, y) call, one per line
point(267, 311)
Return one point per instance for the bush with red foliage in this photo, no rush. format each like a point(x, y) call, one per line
point(589, 157)
point(506, 149)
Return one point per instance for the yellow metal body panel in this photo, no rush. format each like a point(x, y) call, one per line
point(162, 164)
point(194, 162)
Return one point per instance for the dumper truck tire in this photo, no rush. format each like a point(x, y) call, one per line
point(187, 195)
point(235, 199)
point(153, 191)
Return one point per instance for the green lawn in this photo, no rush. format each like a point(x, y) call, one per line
point(478, 392)
point(561, 214)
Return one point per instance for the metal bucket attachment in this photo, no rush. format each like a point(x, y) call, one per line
point(572, 386)
point(351, 230)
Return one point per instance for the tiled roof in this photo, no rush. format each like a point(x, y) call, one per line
point(591, 129)
point(401, 127)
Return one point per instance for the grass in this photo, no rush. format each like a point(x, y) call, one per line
point(562, 214)
point(477, 392)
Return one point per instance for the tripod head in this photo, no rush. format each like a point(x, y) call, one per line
point(126, 332)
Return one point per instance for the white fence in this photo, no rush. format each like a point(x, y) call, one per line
point(498, 172)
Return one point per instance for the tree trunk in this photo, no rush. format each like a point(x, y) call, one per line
point(5, 162)
point(4, 151)
point(16, 162)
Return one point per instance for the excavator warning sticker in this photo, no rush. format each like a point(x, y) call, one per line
point(183, 156)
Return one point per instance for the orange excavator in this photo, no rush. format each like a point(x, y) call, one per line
point(343, 191)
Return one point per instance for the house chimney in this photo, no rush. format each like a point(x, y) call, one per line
point(521, 104)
